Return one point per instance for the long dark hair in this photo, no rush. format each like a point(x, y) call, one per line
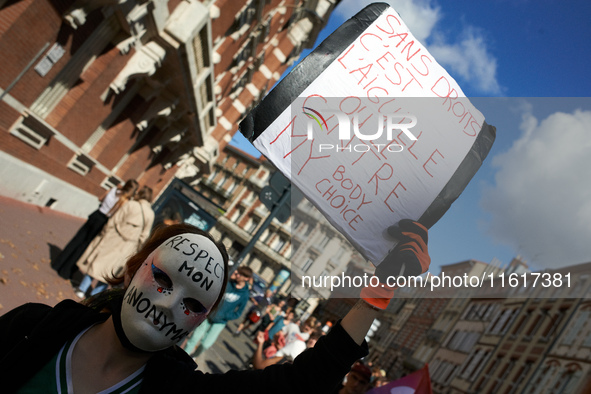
point(159, 235)
point(124, 193)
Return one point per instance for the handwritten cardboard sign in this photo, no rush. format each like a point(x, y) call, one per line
point(372, 130)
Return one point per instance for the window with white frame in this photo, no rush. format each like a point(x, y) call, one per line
point(232, 187)
point(553, 324)
point(489, 373)
point(522, 372)
point(81, 164)
point(287, 251)
point(223, 180)
point(535, 325)
point(236, 215)
point(32, 131)
point(252, 225)
point(307, 264)
point(576, 328)
point(502, 377)
point(278, 244)
point(323, 241)
point(569, 380)
point(110, 182)
point(212, 176)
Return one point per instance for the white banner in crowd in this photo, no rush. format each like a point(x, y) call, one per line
point(372, 130)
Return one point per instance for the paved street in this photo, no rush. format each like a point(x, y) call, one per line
point(31, 235)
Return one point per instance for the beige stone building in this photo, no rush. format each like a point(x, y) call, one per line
point(234, 184)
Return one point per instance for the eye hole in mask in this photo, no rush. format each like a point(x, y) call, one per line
point(192, 305)
point(165, 286)
point(162, 280)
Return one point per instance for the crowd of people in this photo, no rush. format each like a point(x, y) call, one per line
point(279, 334)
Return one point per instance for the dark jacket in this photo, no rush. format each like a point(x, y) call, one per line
point(32, 334)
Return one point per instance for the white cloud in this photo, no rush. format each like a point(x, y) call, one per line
point(419, 16)
point(467, 60)
point(541, 201)
point(470, 60)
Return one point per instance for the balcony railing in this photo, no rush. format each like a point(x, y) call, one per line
point(217, 188)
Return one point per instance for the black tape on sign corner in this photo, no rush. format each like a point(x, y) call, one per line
point(294, 83)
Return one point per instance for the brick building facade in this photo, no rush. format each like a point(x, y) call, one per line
point(96, 92)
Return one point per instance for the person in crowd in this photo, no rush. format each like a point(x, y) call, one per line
point(126, 338)
point(381, 381)
point(272, 311)
point(299, 330)
point(234, 302)
point(121, 237)
point(254, 313)
point(376, 374)
point(262, 358)
point(280, 322)
point(277, 343)
point(110, 202)
point(357, 380)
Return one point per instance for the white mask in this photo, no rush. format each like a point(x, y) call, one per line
point(172, 292)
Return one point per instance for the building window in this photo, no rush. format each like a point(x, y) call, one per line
point(535, 325)
point(287, 251)
point(307, 264)
point(489, 373)
point(302, 229)
point(81, 164)
point(110, 182)
point(245, 17)
point(553, 324)
point(502, 377)
point(32, 131)
point(568, 381)
point(542, 378)
point(518, 378)
point(232, 187)
point(212, 176)
point(266, 236)
point(587, 342)
point(251, 197)
point(521, 323)
point(200, 47)
point(502, 324)
point(321, 244)
point(576, 328)
point(222, 181)
point(263, 175)
point(252, 225)
point(236, 215)
point(279, 244)
point(463, 341)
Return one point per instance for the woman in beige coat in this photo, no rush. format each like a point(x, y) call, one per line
point(124, 233)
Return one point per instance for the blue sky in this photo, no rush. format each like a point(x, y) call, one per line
point(524, 64)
